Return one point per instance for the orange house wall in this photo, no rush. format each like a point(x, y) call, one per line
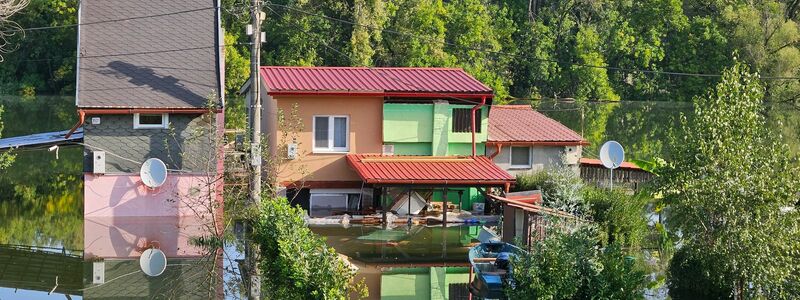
point(365, 136)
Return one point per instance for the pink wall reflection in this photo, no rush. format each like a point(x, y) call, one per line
point(127, 237)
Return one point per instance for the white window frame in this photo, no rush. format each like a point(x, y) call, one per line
point(331, 132)
point(511, 157)
point(164, 122)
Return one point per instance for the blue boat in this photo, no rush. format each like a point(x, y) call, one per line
point(491, 266)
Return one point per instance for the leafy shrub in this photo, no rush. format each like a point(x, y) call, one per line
point(561, 189)
point(692, 275)
point(295, 263)
point(619, 215)
point(574, 266)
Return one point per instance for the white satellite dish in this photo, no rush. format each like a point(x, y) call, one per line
point(612, 155)
point(153, 262)
point(153, 173)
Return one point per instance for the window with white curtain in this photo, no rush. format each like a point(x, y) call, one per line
point(331, 133)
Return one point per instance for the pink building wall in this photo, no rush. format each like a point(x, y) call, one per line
point(126, 196)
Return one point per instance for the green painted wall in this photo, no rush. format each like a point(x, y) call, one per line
point(412, 126)
point(465, 149)
point(407, 123)
point(413, 149)
point(421, 283)
point(470, 195)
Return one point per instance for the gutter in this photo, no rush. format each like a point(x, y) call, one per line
point(81, 119)
point(472, 115)
point(544, 143)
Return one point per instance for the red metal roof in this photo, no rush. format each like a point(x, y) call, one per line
point(439, 170)
point(520, 123)
point(597, 163)
point(362, 80)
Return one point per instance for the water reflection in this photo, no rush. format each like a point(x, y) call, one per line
point(113, 246)
point(417, 262)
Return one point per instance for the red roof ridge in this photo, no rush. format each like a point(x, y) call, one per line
point(363, 68)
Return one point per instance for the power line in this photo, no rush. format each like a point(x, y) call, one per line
point(108, 21)
point(629, 70)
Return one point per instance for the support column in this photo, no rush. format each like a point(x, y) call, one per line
point(444, 208)
point(441, 130)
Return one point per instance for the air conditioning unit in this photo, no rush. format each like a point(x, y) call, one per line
point(99, 162)
point(388, 150)
point(291, 151)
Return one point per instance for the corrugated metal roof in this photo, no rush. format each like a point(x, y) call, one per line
point(371, 80)
point(454, 170)
point(597, 163)
point(164, 54)
point(520, 123)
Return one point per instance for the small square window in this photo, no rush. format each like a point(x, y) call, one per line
point(150, 121)
point(520, 157)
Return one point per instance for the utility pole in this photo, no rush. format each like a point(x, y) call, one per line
point(255, 103)
point(251, 248)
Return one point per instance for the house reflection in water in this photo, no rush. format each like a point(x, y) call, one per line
point(113, 246)
point(416, 262)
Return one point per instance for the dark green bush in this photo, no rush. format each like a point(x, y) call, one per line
point(694, 275)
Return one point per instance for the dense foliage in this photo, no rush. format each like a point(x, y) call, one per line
point(297, 264)
point(598, 258)
point(572, 265)
point(732, 188)
point(561, 189)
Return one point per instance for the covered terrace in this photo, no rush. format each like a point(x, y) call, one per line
point(405, 181)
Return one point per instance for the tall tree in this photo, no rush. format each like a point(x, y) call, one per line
point(732, 190)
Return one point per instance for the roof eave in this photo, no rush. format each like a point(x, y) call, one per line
point(539, 143)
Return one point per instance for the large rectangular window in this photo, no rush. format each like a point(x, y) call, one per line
point(462, 120)
point(331, 133)
point(520, 157)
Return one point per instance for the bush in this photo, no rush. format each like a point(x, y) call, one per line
point(561, 189)
point(295, 263)
point(573, 266)
point(692, 275)
point(620, 216)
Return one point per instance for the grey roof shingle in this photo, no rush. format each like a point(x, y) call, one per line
point(170, 60)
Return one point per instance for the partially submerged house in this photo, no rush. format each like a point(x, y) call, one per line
point(351, 139)
point(149, 87)
point(522, 140)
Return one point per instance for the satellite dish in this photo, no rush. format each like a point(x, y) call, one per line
point(612, 155)
point(153, 173)
point(153, 262)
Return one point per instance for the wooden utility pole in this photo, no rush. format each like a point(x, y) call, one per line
point(251, 248)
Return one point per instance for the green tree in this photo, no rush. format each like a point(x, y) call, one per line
point(297, 264)
point(478, 30)
point(6, 157)
point(731, 190)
